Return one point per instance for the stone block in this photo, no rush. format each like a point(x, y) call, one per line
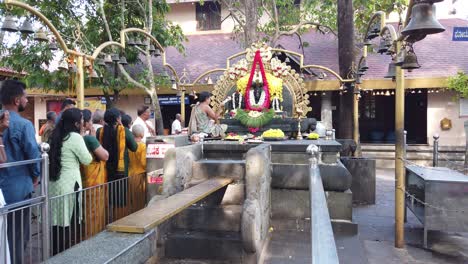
point(363, 179)
point(344, 228)
point(340, 205)
point(234, 169)
point(335, 177)
point(329, 157)
point(290, 204)
point(234, 195)
point(290, 157)
point(204, 245)
point(223, 218)
point(301, 225)
point(289, 176)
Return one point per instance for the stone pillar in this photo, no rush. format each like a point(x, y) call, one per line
point(326, 113)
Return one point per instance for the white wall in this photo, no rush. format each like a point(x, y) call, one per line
point(440, 106)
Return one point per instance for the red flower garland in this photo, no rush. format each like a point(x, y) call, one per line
point(266, 103)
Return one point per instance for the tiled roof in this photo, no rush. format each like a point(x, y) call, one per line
point(438, 55)
point(9, 72)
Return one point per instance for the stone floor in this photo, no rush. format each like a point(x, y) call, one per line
point(374, 243)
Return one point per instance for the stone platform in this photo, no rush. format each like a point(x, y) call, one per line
point(287, 125)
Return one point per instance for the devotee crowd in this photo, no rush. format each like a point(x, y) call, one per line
point(87, 150)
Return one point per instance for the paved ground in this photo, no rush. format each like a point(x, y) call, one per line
point(375, 241)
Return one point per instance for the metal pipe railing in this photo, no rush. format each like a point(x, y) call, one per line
point(435, 152)
point(323, 248)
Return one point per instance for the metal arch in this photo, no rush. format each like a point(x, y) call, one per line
point(204, 74)
point(103, 46)
point(41, 17)
point(330, 71)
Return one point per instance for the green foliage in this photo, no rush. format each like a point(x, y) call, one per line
point(459, 83)
point(81, 25)
point(254, 122)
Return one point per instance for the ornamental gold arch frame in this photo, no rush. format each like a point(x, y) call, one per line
point(292, 82)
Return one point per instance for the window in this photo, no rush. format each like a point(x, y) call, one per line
point(208, 16)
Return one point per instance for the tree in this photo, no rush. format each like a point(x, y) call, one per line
point(85, 24)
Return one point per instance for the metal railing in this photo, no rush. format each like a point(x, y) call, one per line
point(46, 226)
point(323, 248)
point(435, 154)
point(25, 235)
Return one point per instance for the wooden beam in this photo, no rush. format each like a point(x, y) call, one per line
point(158, 212)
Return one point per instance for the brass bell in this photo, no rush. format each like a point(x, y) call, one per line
point(115, 57)
point(41, 36)
point(138, 42)
point(367, 43)
point(87, 63)
point(423, 21)
point(53, 45)
point(415, 37)
point(9, 24)
point(94, 75)
point(391, 73)
point(157, 53)
point(363, 65)
point(26, 28)
point(411, 61)
point(374, 32)
point(63, 65)
point(131, 42)
point(100, 62)
point(391, 50)
point(152, 49)
point(382, 47)
point(123, 60)
point(401, 57)
point(108, 59)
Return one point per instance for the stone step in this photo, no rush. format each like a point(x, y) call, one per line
point(208, 168)
point(223, 218)
point(183, 244)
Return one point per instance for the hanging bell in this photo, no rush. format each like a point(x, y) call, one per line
point(423, 21)
point(363, 65)
point(391, 73)
point(130, 42)
point(401, 57)
point(374, 32)
point(94, 75)
point(367, 43)
point(411, 61)
point(138, 42)
point(391, 50)
point(41, 36)
point(115, 57)
point(100, 62)
point(72, 67)
point(358, 80)
point(157, 53)
point(108, 59)
point(152, 49)
point(145, 43)
point(123, 60)
point(26, 28)
point(9, 24)
point(63, 65)
point(53, 45)
point(87, 63)
point(382, 47)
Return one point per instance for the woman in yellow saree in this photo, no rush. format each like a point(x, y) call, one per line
point(93, 177)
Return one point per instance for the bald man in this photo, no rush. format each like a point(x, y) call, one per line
point(176, 125)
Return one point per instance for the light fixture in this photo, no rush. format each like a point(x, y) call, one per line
point(419, 91)
point(315, 94)
point(413, 91)
point(209, 81)
point(392, 92)
point(387, 93)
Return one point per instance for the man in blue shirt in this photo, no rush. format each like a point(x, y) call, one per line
point(17, 182)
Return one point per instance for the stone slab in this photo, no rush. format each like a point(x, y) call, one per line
point(335, 177)
point(223, 218)
point(363, 173)
point(340, 205)
point(204, 245)
point(110, 247)
point(290, 204)
point(233, 169)
point(290, 157)
point(277, 146)
point(234, 195)
point(289, 176)
point(344, 228)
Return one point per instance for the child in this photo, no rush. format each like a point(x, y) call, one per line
point(137, 169)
